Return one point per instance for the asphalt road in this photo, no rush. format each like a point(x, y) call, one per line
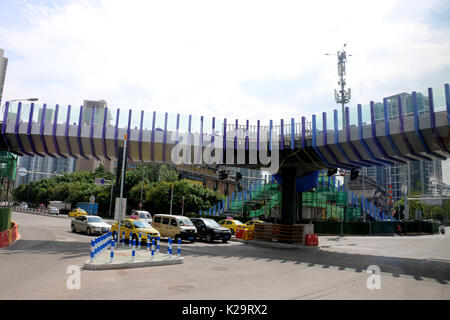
point(412, 267)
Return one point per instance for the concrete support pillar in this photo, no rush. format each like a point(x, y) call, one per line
point(288, 196)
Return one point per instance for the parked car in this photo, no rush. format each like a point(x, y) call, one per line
point(135, 227)
point(53, 210)
point(251, 224)
point(77, 212)
point(23, 206)
point(142, 215)
point(90, 225)
point(175, 226)
point(233, 225)
point(209, 230)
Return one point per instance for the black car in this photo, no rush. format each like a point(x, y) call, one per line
point(210, 230)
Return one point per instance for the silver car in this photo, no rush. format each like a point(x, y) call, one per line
point(90, 225)
point(53, 210)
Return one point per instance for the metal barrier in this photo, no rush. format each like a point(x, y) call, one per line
point(106, 241)
point(99, 244)
point(9, 236)
point(278, 232)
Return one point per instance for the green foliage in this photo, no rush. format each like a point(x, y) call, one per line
point(156, 197)
point(440, 213)
point(153, 179)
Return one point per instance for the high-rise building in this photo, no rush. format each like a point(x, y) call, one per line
point(3, 65)
point(419, 176)
point(98, 107)
point(249, 176)
point(43, 167)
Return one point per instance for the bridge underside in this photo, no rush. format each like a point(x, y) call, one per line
point(288, 150)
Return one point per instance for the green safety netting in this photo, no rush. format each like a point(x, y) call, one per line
point(8, 163)
point(331, 202)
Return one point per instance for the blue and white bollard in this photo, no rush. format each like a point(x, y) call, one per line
point(157, 245)
point(133, 252)
point(95, 246)
point(148, 243)
point(131, 239)
point(153, 249)
point(169, 248)
point(109, 238)
point(112, 251)
point(123, 238)
point(140, 240)
point(92, 251)
point(179, 248)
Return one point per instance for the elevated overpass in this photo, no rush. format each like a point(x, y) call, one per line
point(374, 135)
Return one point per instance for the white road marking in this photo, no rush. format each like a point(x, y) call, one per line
point(64, 239)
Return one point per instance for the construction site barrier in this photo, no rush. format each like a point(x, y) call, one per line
point(248, 235)
point(278, 232)
point(9, 236)
point(240, 233)
point(311, 240)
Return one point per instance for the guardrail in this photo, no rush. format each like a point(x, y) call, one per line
point(278, 232)
point(34, 210)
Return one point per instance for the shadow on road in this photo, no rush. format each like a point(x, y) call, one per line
point(68, 249)
point(396, 266)
point(438, 270)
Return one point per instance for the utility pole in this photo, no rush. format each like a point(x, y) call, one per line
point(342, 96)
point(171, 198)
point(142, 187)
point(182, 207)
point(119, 216)
point(110, 199)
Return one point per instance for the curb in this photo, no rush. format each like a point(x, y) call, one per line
point(267, 244)
point(61, 216)
point(127, 265)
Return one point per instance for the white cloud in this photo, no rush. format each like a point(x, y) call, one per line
point(199, 56)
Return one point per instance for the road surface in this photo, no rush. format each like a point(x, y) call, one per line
point(412, 267)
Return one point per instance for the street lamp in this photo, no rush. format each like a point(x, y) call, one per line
point(22, 99)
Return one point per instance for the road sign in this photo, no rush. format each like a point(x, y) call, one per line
point(140, 205)
point(432, 202)
point(100, 181)
point(117, 214)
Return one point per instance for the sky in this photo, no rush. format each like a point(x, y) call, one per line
point(229, 59)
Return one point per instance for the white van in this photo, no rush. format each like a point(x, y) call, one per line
point(142, 215)
point(174, 226)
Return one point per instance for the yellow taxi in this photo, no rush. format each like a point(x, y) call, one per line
point(251, 224)
point(232, 224)
point(77, 212)
point(135, 226)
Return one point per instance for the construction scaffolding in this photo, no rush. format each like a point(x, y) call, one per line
point(8, 163)
point(330, 202)
point(327, 202)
